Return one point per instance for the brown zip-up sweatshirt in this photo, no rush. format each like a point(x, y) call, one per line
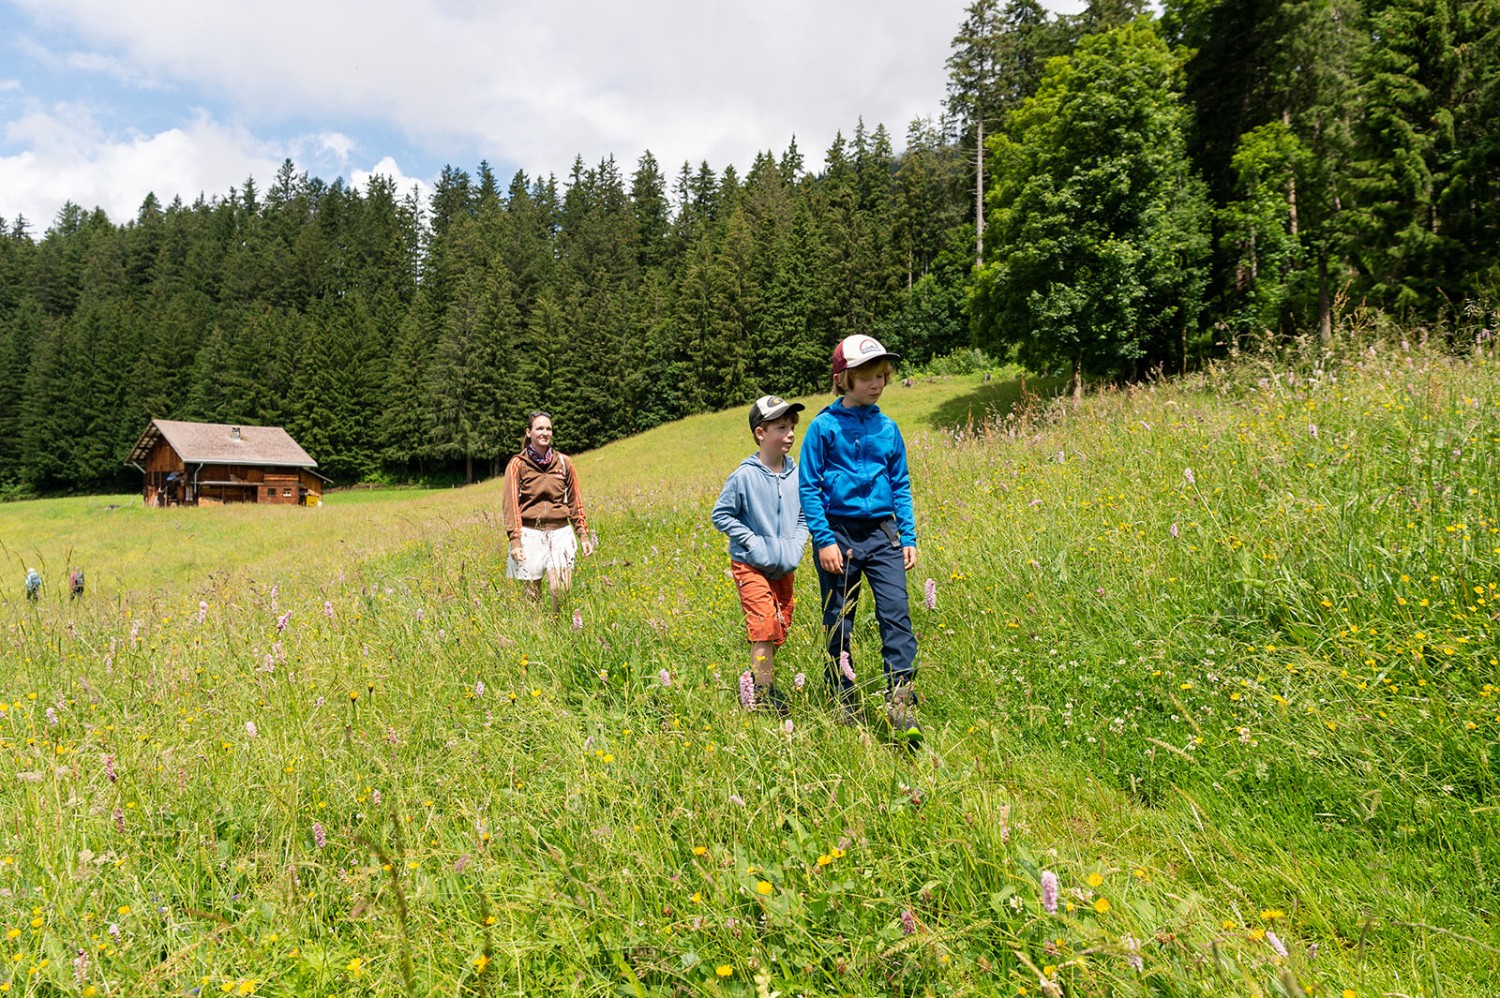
point(547, 496)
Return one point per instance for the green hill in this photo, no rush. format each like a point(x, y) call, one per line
point(1218, 654)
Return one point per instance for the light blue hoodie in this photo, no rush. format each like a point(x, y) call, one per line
point(762, 515)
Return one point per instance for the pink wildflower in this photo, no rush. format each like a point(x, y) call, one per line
point(479, 687)
point(1276, 943)
point(908, 922)
point(250, 729)
point(747, 690)
point(665, 677)
point(1188, 474)
point(120, 821)
point(320, 837)
point(788, 726)
point(375, 798)
point(930, 594)
point(736, 800)
point(1049, 891)
point(328, 608)
point(109, 769)
point(282, 620)
point(845, 667)
point(202, 610)
point(577, 619)
point(1173, 530)
point(799, 680)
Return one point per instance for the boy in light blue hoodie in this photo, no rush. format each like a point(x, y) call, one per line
point(760, 511)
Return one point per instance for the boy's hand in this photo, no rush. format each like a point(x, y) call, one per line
point(588, 546)
point(831, 560)
point(909, 558)
point(517, 551)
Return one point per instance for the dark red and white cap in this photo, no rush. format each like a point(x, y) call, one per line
point(853, 351)
point(769, 408)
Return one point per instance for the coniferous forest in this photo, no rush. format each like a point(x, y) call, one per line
point(1157, 189)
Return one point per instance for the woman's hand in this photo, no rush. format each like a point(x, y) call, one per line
point(588, 546)
point(517, 551)
point(909, 558)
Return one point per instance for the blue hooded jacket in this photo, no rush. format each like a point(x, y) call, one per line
point(760, 511)
point(854, 468)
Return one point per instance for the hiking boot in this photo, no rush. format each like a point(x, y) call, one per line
point(901, 713)
point(850, 711)
point(775, 699)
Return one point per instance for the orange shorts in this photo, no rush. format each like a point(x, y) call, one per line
point(768, 603)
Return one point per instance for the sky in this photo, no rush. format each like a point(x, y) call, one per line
point(105, 101)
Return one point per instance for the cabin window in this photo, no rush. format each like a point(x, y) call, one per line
point(287, 493)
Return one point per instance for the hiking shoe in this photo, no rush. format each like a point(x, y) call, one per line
point(901, 713)
point(850, 710)
point(775, 699)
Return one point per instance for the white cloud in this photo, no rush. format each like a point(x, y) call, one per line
point(536, 83)
point(387, 168)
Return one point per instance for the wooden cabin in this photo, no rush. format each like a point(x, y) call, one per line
point(210, 464)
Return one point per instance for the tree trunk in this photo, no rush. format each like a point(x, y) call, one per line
point(1325, 308)
point(979, 192)
point(1077, 378)
point(468, 469)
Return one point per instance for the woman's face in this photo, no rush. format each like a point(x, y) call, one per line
point(540, 433)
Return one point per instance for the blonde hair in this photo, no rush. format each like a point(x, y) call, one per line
point(869, 369)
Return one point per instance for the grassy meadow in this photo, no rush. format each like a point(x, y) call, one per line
point(1217, 654)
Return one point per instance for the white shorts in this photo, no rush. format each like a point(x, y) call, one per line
point(545, 551)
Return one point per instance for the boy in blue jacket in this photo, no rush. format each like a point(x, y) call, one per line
point(759, 510)
point(856, 495)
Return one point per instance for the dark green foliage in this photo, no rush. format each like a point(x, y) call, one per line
point(1145, 206)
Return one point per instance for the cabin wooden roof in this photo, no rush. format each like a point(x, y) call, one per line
point(223, 443)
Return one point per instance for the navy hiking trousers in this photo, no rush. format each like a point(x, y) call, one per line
point(872, 553)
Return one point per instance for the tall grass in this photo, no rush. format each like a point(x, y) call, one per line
point(1217, 653)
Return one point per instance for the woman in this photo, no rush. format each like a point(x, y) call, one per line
point(544, 516)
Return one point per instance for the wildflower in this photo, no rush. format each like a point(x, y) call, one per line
point(479, 687)
point(764, 887)
point(1133, 951)
point(929, 590)
point(356, 968)
point(1173, 530)
point(577, 619)
point(665, 677)
point(723, 970)
point(375, 798)
point(1049, 891)
point(1004, 824)
point(250, 729)
point(202, 610)
point(1312, 430)
point(114, 932)
point(109, 768)
point(737, 800)
point(747, 690)
point(281, 621)
point(799, 680)
point(328, 608)
point(320, 837)
point(1101, 905)
point(908, 922)
point(845, 667)
point(52, 717)
point(81, 966)
point(787, 726)
point(1188, 474)
point(1276, 943)
point(1095, 879)
point(120, 821)
point(481, 961)
point(275, 591)
point(461, 864)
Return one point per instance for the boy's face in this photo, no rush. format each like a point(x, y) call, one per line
point(776, 436)
point(865, 386)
